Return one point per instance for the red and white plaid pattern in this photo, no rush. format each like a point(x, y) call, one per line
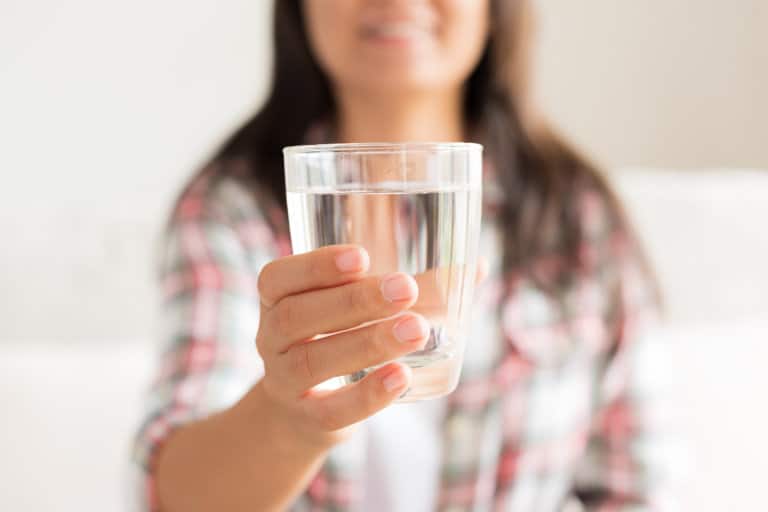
point(548, 409)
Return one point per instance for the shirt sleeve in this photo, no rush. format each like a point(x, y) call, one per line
point(624, 467)
point(209, 319)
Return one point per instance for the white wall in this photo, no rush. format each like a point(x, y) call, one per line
point(663, 83)
point(104, 108)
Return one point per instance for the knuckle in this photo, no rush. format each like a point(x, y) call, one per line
point(299, 364)
point(261, 343)
point(264, 280)
point(358, 298)
point(377, 342)
point(314, 268)
point(281, 318)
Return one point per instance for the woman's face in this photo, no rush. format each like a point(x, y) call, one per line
point(397, 45)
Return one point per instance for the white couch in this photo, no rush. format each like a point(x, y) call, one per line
point(69, 407)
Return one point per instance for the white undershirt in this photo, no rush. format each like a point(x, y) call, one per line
point(404, 452)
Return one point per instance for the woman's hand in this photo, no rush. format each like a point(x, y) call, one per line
point(306, 296)
point(279, 433)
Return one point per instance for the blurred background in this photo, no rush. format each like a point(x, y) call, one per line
point(106, 107)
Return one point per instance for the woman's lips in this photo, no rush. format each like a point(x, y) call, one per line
point(398, 32)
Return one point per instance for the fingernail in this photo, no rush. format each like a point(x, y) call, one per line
point(352, 260)
point(411, 328)
point(398, 287)
point(394, 380)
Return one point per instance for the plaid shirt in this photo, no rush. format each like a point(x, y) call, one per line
point(548, 409)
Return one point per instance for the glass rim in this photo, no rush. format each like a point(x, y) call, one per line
point(381, 147)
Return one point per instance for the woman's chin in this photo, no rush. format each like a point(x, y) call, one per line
point(399, 78)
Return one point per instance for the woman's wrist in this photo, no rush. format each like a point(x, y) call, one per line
point(282, 427)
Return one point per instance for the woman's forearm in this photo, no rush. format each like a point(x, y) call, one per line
point(244, 458)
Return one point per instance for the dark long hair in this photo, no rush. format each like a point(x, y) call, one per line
point(542, 178)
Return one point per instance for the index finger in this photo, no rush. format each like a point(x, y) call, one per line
point(322, 268)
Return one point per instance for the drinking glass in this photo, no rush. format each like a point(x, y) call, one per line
point(416, 208)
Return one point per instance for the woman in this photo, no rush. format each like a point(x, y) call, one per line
point(547, 410)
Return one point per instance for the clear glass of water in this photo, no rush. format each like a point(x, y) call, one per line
point(415, 207)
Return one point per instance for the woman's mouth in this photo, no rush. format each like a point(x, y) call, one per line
point(398, 32)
